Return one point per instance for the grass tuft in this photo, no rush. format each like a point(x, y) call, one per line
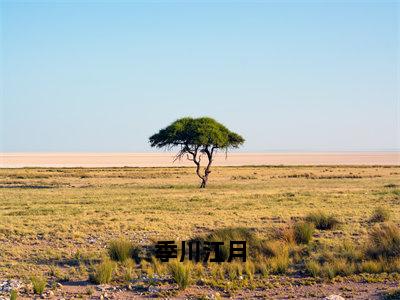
point(233, 269)
point(313, 268)
point(371, 266)
point(121, 250)
point(128, 268)
point(380, 214)
point(13, 295)
point(272, 248)
point(349, 251)
point(279, 263)
point(103, 273)
point(330, 269)
point(250, 269)
point(38, 284)
point(287, 235)
point(322, 221)
point(384, 241)
point(303, 232)
point(180, 273)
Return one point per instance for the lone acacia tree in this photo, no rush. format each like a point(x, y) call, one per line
point(197, 137)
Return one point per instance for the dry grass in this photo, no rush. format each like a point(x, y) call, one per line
point(384, 241)
point(121, 250)
point(303, 232)
point(38, 284)
point(380, 214)
point(180, 273)
point(103, 273)
point(322, 221)
point(66, 217)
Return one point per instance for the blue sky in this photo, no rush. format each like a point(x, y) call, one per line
point(292, 76)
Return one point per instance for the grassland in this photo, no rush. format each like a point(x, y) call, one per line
point(57, 223)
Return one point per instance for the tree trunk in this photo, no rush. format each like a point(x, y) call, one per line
point(203, 179)
point(204, 182)
point(207, 171)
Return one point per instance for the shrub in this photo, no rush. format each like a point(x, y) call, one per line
point(103, 273)
point(38, 284)
point(322, 221)
point(380, 214)
point(121, 250)
point(13, 295)
point(180, 273)
point(384, 241)
point(303, 232)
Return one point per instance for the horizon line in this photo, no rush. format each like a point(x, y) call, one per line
point(220, 151)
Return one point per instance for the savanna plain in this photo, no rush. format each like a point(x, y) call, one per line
point(311, 231)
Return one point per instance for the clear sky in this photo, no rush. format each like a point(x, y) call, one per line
point(293, 76)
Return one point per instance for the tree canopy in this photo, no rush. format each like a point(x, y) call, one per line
point(197, 136)
point(201, 132)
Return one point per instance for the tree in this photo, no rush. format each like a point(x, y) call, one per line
point(197, 137)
